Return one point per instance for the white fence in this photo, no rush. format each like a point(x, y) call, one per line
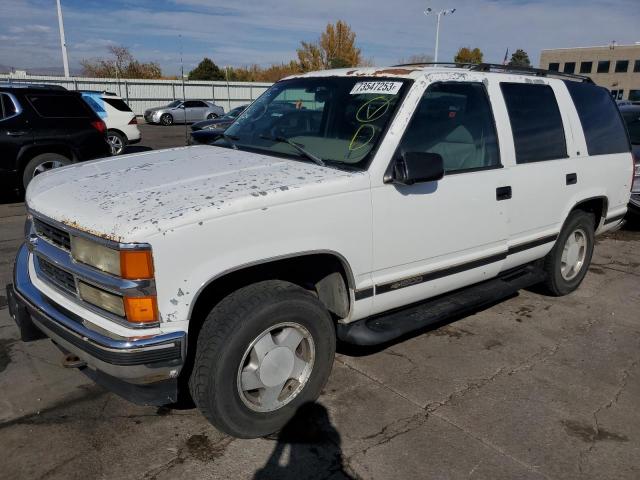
point(143, 94)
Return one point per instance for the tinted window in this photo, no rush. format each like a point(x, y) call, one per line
point(634, 95)
point(603, 66)
point(59, 106)
point(569, 67)
point(536, 124)
point(95, 106)
point(622, 66)
point(554, 67)
point(632, 119)
point(636, 66)
point(455, 121)
point(117, 103)
point(600, 119)
point(586, 67)
point(7, 107)
point(194, 104)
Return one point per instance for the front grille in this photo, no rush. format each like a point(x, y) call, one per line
point(55, 235)
point(57, 276)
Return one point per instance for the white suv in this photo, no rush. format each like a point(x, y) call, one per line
point(359, 204)
point(122, 124)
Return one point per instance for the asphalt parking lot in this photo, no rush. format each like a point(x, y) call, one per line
point(532, 388)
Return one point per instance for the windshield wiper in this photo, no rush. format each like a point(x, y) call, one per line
point(298, 147)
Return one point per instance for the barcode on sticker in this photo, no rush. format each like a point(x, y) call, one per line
point(384, 88)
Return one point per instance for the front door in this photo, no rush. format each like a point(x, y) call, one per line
point(433, 237)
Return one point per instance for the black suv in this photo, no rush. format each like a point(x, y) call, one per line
point(43, 128)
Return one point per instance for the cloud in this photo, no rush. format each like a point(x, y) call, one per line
point(264, 32)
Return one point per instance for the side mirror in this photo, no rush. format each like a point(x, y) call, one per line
point(418, 167)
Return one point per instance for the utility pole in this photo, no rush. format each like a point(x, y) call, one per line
point(439, 14)
point(63, 42)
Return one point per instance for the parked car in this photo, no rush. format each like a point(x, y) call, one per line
point(206, 136)
point(386, 200)
point(180, 111)
point(43, 128)
point(122, 124)
point(220, 122)
point(631, 115)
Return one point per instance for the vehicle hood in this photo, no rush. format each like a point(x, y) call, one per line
point(129, 197)
point(157, 109)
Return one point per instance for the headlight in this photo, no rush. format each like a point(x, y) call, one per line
point(129, 264)
point(107, 301)
point(210, 127)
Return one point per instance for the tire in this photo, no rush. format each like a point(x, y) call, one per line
point(166, 119)
point(224, 353)
point(117, 142)
point(42, 163)
point(562, 280)
point(211, 116)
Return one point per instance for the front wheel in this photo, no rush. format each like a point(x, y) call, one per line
point(211, 116)
point(567, 263)
point(166, 119)
point(263, 351)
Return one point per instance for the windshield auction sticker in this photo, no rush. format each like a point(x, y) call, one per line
point(384, 88)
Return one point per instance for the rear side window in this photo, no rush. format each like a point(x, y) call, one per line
point(455, 121)
point(59, 106)
point(117, 103)
point(632, 119)
point(536, 124)
point(600, 119)
point(94, 105)
point(7, 107)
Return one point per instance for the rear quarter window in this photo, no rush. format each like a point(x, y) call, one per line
point(536, 123)
point(602, 124)
point(117, 103)
point(60, 106)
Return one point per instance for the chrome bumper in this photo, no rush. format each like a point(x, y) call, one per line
point(137, 361)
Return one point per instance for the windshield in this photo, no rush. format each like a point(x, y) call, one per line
point(339, 120)
point(174, 104)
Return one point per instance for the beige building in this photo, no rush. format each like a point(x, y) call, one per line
point(615, 67)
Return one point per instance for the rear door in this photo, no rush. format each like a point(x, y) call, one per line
point(433, 237)
point(195, 110)
point(15, 131)
point(540, 165)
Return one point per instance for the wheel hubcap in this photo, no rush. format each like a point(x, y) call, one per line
point(573, 254)
point(276, 367)
point(115, 143)
point(46, 166)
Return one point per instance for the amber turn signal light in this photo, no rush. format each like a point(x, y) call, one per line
point(136, 264)
point(141, 309)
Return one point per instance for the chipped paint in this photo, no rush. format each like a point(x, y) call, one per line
point(127, 198)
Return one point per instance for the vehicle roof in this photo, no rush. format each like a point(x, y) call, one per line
point(420, 70)
point(14, 88)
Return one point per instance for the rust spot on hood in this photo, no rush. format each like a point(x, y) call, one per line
point(95, 233)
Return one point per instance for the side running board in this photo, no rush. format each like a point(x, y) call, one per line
point(391, 325)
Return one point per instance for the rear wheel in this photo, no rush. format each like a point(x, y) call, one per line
point(117, 142)
point(567, 264)
point(211, 116)
point(263, 351)
point(42, 163)
point(166, 119)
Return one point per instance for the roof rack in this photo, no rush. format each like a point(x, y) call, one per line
point(497, 67)
point(21, 84)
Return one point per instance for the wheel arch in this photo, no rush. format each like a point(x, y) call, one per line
point(30, 151)
point(117, 130)
point(597, 205)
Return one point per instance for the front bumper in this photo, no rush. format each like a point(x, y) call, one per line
point(143, 370)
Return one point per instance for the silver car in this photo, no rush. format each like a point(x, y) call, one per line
point(180, 111)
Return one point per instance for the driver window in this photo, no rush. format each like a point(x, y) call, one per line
point(454, 120)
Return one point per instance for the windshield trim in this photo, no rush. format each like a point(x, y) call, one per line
point(365, 163)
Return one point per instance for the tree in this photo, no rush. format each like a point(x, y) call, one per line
point(122, 65)
point(336, 48)
point(206, 70)
point(419, 58)
point(466, 55)
point(519, 58)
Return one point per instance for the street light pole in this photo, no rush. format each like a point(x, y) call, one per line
point(63, 42)
point(439, 14)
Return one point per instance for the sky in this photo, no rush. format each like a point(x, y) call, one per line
point(244, 32)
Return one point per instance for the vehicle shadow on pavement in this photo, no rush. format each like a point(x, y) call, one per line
point(314, 448)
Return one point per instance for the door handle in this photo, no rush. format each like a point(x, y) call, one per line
point(503, 193)
point(572, 178)
point(16, 133)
